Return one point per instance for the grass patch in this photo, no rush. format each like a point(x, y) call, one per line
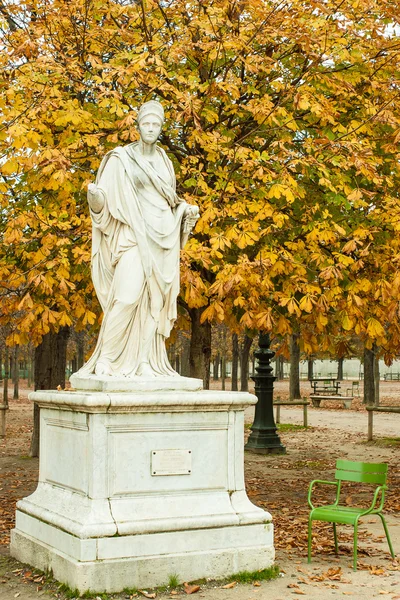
point(251, 576)
point(66, 590)
point(4, 565)
point(309, 464)
point(173, 581)
point(130, 591)
point(74, 594)
point(290, 427)
point(385, 442)
point(283, 427)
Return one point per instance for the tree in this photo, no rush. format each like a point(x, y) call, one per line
point(283, 123)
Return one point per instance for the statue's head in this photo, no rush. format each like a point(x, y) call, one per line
point(152, 107)
point(150, 121)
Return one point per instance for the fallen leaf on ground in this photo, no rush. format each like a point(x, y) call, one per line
point(376, 570)
point(256, 584)
point(191, 589)
point(228, 586)
point(334, 573)
point(146, 594)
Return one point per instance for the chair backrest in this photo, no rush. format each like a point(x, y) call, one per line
point(347, 470)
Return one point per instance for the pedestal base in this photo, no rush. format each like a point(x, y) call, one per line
point(144, 561)
point(135, 487)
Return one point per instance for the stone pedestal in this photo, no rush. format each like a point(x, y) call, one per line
point(138, 485)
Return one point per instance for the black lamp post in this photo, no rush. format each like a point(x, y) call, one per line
point(264, 438)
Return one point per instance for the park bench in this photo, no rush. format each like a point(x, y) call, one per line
point(383, 409)
point(278, 403)
point(317, 398)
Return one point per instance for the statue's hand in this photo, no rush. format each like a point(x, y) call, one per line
point(92, 189)
point(95, 197)
point(191, 215)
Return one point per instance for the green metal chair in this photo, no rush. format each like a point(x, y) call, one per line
point(347, 470)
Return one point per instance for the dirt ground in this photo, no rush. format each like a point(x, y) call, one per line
point(277, 483)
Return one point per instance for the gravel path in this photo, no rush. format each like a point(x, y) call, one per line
point(327, 577)
point(385, 425)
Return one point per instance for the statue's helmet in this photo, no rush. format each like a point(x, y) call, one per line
point(152, 107)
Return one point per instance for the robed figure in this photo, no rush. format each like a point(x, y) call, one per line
point(139, 226)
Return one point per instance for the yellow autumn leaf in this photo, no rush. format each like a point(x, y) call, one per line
point(347, 323)
point(374, 328)
point(306, 303)
point(9, 167)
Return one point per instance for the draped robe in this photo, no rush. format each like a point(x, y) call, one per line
point(141, 209)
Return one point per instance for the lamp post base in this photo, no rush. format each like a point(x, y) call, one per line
point(265, 442)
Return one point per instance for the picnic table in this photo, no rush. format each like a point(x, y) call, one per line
point(325, 385)
point(325, 388)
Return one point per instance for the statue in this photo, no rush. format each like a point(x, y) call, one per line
point(139, 225)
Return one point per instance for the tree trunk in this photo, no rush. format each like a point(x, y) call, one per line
point(279, 367)
point(294, 379)
point(185, 356)
point(6, 374)
point(235, 362)
point(310, 369)
point(376, 375)
point(340, 369)
point(16, 373)
point(244, 361)
point(177, 363)
point(50, 363)
point(80, 346)
point(217, 361)
point(74, 365)
point(369, 379)
point(29, 363)
point(200, 347)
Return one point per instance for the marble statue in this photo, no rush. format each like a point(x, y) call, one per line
point(139, 225)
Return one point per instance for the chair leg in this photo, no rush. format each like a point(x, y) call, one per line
point(387, 535)
point(335, 538)
point(355, 546)
point(309, 538)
